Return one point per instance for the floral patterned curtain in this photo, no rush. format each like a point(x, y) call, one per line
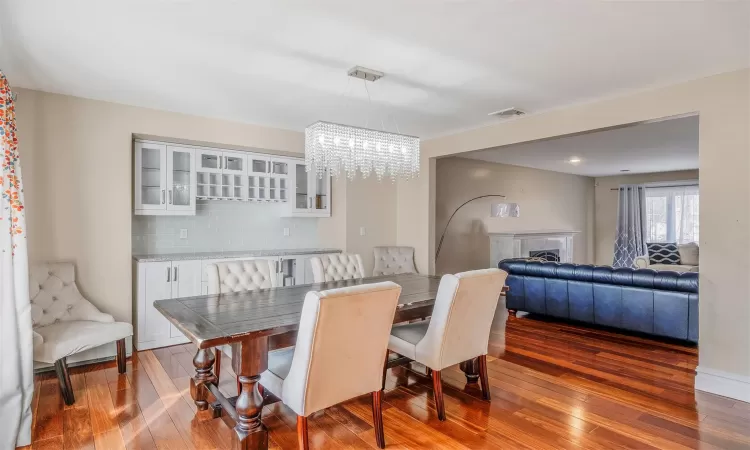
point(16, 348)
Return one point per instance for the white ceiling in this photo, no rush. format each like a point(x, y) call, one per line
point(650, 147)
point(283, 63)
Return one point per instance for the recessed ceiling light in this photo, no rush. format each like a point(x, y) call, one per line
point(574, 160)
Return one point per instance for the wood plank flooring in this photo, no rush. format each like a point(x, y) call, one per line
point(553, 386)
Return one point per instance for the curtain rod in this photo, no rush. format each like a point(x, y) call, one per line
point(660, 186)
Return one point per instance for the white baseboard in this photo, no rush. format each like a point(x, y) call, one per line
point(723, 383)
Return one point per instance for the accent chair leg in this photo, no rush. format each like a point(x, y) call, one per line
point(66, 388)
point(302, 433)
point(121, 356)
point(377, 417)
point(483, 377)
point(437, 385)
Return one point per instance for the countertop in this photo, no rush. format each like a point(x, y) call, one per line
point(233, 254)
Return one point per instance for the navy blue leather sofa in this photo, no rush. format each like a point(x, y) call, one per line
point(660, 303)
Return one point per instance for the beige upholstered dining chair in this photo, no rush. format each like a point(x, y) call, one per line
point(65, 323)
point(341, 266)
point(393, 260)
point(458, 330)
point(349, 325)
point(239, 276)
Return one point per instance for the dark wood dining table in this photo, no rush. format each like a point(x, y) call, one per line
point(252, 323)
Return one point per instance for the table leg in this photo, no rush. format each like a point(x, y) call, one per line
point(250, 362)
point(471, 370)
point(203, 362)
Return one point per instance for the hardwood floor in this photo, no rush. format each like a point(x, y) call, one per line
point(554, 386)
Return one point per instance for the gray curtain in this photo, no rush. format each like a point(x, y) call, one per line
point(630, 240)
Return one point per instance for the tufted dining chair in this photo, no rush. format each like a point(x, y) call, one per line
point(341, 345)
point(341, 266)
point(393, 260)
point(239, 276)
point(459, 329)
point(65, 323)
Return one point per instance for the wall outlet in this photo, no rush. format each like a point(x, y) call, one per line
point(286, 231)
point(362, 231)
point(183, 233)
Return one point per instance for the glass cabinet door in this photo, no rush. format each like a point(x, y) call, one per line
point(151, 186)
point(321, 189)
point(302, 200)
point(233, 162)
point(180, 178)
point(258, 164)
point(279, 167)
point(209, 161)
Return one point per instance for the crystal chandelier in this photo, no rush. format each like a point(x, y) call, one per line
point(335, 148)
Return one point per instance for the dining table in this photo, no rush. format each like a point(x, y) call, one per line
point(256, 322)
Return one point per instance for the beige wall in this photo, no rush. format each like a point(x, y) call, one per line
point(723, 102)
point(548, 201)
point(76, 156)
point(606, 206)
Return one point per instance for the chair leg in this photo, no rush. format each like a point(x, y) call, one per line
point(302, 433)
point(66, 388)
point(121, 356)
point(385, 368)
point(483, 377)
point(377, 417)
point(217, 363)
point(437, 385)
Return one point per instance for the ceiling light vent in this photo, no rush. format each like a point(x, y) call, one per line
point(507, 112)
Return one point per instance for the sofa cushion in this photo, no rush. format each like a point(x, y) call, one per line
point(688, 254)
point(674, 267)
point(663, 253)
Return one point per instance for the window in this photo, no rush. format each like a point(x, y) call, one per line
point(672, 214)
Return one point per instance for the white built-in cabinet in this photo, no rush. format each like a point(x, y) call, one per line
point(311, 195)
point(161, 280)
point(165, 179)
point(169, 178)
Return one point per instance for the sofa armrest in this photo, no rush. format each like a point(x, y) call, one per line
point(641, 262)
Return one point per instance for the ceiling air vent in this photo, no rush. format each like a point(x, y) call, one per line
point(507, 112)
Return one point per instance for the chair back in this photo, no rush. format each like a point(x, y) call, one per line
point(393, 260)
point(341, 266)
point(241, 276)
point(54, 296)
point(459, 329)
point(341, 346)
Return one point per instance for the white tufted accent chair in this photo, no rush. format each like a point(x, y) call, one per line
point(341, 345)
point(341, 266)
point(240, 276)
point(393, 260)
point(65, 323)
point(459, 329)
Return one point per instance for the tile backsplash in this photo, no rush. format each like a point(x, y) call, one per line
point(224, 226)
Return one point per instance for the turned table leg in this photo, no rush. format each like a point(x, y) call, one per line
point(471, 370)
point(250, 361)
point(203, 363)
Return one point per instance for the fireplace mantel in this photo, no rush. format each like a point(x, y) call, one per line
point(519, 244)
